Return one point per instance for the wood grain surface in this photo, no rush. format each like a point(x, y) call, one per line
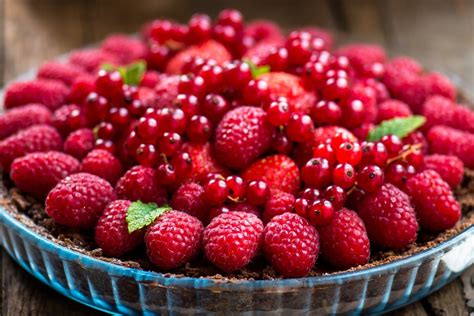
point(439, 33)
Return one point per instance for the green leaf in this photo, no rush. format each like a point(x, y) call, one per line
point(400, 127)
point(132, 74)
point(257, 70)
point(140, 214)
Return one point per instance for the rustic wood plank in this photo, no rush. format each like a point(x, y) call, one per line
point(24, 295)
point(467, 279)
point(448, 301)
point(415, 309)
point(39, 30)
point(437, 32)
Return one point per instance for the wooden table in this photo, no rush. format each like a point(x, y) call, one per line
point(439, 33)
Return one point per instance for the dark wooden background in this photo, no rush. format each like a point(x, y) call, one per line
point(440, 33)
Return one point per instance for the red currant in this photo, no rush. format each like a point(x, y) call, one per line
point(200, 28)
point(320, 212)
point(393, 144)
point(104, 130)
point(325, 151)
point(281, 144)
point(199, 129)
point(277, 59)
point(370, 178)
point(214, 107)
point(278, 113)
point(105, 144)
point(147, 155)
point(215, 191)
point(374, 154)
point(257, 192)
point(109, 84)
point(237, 187)
point(344, 175)
point(310, 194)
point(316, 172)
point(349, 153)
point(300, 128)
point(255, 92)
point(183, 165)
point(326, 112)
point(169, 143)
point(301, 206)
point(148, 130)
point(336, 195)
point(166, 174)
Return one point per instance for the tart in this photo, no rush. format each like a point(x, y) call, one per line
point(233, 152)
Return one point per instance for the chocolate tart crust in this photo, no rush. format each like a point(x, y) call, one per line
point(31, 214)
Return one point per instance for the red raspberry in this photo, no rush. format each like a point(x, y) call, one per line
point(125, 48)
point(150, 79)
point(435, 205)
point(50, 93)
point(237, 207)
point(344, 242)
point(291, 87)
point(38, 173)
point(79, 143)
point(22, 117)
point(102, 164)
point(173, 240)
point(391, 109)
point(189, 198)
point(242, 136)
point(37, 138)
point(65, 73)
point(91, 59)
point(363, 57)
point(291, 245)
point(207, 50)
point(450, 168)
point(203, 161)
point(68, 118)
point(166, 91)
point(111, 232)
point(389, 218)
point(139, 184)
point(398, 67)
point(81, 88)
point(279, 202)
point(263, 30)
point(259, 53)
point(232, 240)
point(279, 172)
point(439, 110)
point(449, 141)
point(438, 84)
point(78, 201)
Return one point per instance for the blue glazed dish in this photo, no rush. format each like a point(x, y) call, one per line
point(117, 289)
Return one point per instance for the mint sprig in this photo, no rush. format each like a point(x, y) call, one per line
point(257, 70)
point(400, 127)
point(132, 74)
point(141, 214)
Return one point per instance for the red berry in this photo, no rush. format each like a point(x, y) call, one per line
point(316, 172)
point(232, 240)
point(278, 113)
point(325, 151)
point(103, 164)
point(78, 200)
point(326, 113)
point(109, 84)
point(370, 178)
point(301, 207)
point(105, 144)
point(173, 240)
point(279, 202)
point(450, 141)
point(79, 143)
point(336, 195)
point(350, 153)
point(183, 164)
point(310, 194)
point(450, 168)
point(189, 198)
point(147, 129)
point(257, 192)
point(23, 117)
point(104, 130)
point(139, 184)
point(111, 232)
point(166, 174)
point(255, 92)
point(169, 143)
point(281, 144)
point(237, 187)
point(215, 191)
point(344, 175)
point(300, 128)
point(199, 129)
point(200, 27)
point(344, 242)
point(393, 144)
point(374, 154)
point(292, 256)
point(320, 212)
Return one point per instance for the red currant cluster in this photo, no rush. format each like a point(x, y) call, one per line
point(342, 167)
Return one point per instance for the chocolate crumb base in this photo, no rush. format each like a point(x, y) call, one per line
point(31, 214)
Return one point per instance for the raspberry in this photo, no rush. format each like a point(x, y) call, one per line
point(102, 164)
point(166, 91)
point(125, 48)
point(237, 207)
point(279, 202)
point(68, 118)
point(207, 50)
point(435, 205)
point(242, 136)
point(91, 59)
point(189, 198)
point(389, 218)
point(438, 84)
point(38, 173)
point(81, 88)
point(344, 242)
point(232, 240)
point(279, 172)
point(65, 73)
point(203, 161)
point(263, 30)
point(439, 110)
point(139, 184)
point(291, 87)
point(78, 201)
point(37, 138)
point(363, 57)
point(400, 66)
point(150, 79)
point(450, 168)
point(173, 240)
point(449, 141)
point(259, 53)
point(22, 117)
point(111, 232)
point(291, 244)
point(50, 93)
point(79, 143)
point(392, 108)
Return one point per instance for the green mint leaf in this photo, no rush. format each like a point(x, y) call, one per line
point(257, 70)
point(132, 74)
point(140, 214)
point(400, 127)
